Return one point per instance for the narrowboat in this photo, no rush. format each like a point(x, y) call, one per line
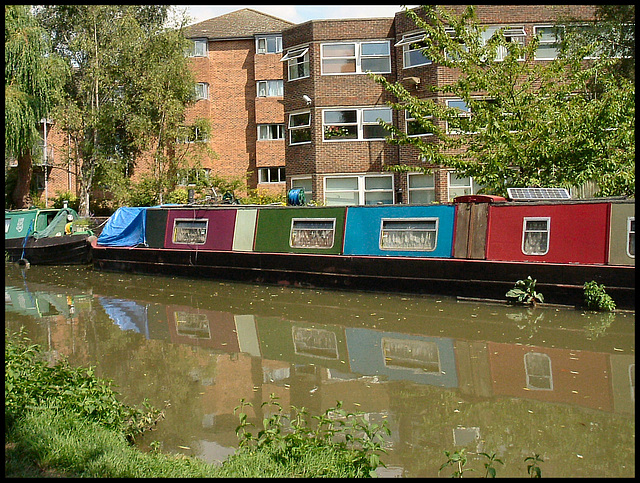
point(46, 237)
point(476, 246)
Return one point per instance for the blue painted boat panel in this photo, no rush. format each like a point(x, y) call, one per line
point(364, 223)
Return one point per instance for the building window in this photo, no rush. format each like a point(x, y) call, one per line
point(631, 236)
point(414, 128)
point(358, 190)
point(355, 58)
point(412, 46)
point(269, 44)
point(202, 91)
point(548, 46)
point(300, 128)
point(297, 63)
point(535, 236)
point(354, 124)
point(421, 188)
point(454, 56)
point(192, 232)
point(190, 134)
point(511, 35)
point(305, 184)
point(418, 234)
point(270, 132)
point(271, 175)
point(270, 88)
point(538, 371)
point(312, 232)
point(459, 126)
point(198, 48)
point(462, 185)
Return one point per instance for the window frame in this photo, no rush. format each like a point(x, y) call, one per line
point(192, 129)
point(420, 189)
point(282, 178)
point(266, 38)
point(307, 193)
point(300, 127)
point(546, 42)
point(631, 235)
point(407, 41)
point(314, 247)
point(279, 129)
point(463, 113)
point(292, 56)
point(359, 123)
point(502, 52)
point(546, 219)
point(408, 118)
point(473, 186)
point(527, 375)
point(429, 219)
point(267, 89)
point(357, 57)
point(192, 220)
point(193, 51)
point(205, 87)
point(361, 189)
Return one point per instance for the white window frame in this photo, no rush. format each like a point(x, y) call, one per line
point(291, 232)
point(407, 358)
point(473, 186)
point(361, 189)
point(422, 189)
point(202, 91)
point(264, 39)
point(268, 129)
point(536, 29)
point(292, 57)
point(452, 33)
point(190, 220)
point(463, 113)
point(308, 181)
point(360, 123)
point(408, 231)
point(408, 42)
point(265, 88)
point(357, 57)
point(511, 34)
point(187, 139)
point(265, 175)
point(299, 127)
point(200, 48)
point(408, 118)
point(528, 376)
point(525, 232)
point(631, 236)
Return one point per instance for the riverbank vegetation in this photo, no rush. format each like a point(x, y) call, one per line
point(66, 422)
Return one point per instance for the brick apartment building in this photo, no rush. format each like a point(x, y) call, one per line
point(282, 95)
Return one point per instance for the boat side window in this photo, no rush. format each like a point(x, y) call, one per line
point(315, 342)
point(312, 232)
point(418, 356)
point(7, 224)
point(190, 231)
point(535, 236)
point(409, 234)
point(631, 236)
point(538, 370)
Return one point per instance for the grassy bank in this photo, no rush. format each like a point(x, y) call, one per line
point(66, 422)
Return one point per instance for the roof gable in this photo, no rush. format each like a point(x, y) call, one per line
point(238, 24)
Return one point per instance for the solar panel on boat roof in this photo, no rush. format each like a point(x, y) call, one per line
point(538, 194)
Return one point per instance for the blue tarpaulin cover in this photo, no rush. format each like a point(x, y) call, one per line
point(125, 228)
point(128, 314)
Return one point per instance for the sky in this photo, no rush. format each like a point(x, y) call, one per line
point(295, 13)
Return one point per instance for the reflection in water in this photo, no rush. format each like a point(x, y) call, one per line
point(443, 374)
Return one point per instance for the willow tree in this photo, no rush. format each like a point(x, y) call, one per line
point(130, 82)
point(32, 78)
point(557, 123)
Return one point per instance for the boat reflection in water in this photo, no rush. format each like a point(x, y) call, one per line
point(442, 374)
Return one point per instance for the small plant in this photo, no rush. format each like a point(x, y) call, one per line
point(457, 459)
point(595, 297)
point(533, 469)
point(524, 292)
point(491, 471)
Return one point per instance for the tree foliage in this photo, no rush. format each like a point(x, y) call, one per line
point(32, 79)
point(129, 88)
point(558, 123)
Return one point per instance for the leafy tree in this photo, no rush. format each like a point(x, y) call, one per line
point(32, 80)
point(559, 123)
point(129, 88)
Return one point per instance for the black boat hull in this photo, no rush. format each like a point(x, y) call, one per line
point(61, 250)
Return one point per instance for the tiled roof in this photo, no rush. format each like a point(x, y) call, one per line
point(238, 24)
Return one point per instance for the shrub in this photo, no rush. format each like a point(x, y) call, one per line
point(524, 292)
point(595, 297)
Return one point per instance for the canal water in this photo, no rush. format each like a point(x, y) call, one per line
point(445, 374)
